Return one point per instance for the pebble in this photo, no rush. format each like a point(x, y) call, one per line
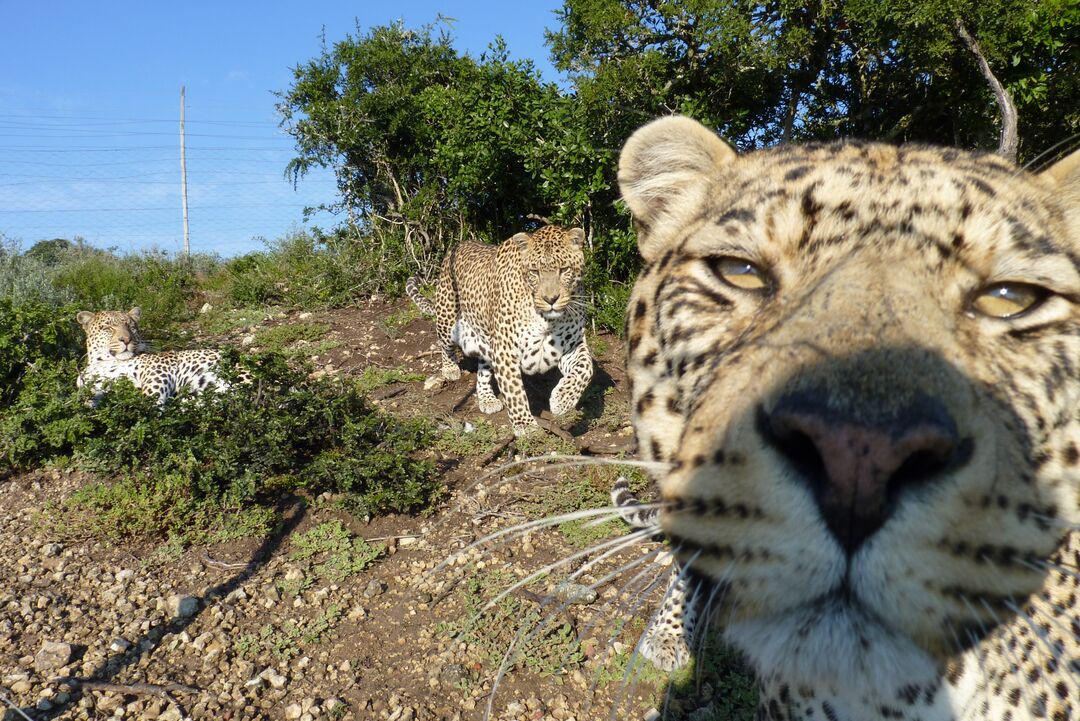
point(374, 588)
point(181, 606)
point(53, 655)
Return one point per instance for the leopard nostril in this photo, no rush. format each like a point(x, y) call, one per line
point(857, 469)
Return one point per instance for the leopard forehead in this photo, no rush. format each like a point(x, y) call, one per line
point(105, 322)
point(554, 246)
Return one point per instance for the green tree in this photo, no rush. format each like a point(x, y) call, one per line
point(429, 145)
point(782, 70)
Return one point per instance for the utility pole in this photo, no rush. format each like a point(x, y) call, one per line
point(183, 177)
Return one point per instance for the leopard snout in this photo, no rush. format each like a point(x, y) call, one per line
point(858, 469)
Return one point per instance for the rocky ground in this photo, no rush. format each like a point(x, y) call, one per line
point(313, 623)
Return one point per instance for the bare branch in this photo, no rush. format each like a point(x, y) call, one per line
point(1007, 145)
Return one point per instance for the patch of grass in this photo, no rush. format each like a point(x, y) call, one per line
point(598, 345)
point(374, 377)
point(542, 443)
point(284, 641)
point(341, 554)
point(456, 439)
point(394, 323)
point(225, 320)
point(292, 338)
point(550, 650)
point(609, 303)
point(735, 691)
point(589, 488)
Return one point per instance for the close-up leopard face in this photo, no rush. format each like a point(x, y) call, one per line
point(860, 362)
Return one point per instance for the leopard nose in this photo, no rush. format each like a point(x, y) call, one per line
point(550, 298)
point(859, 469)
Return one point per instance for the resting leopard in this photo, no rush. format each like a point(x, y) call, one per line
point(114, 349)
point(516, 307)
point(861, 365)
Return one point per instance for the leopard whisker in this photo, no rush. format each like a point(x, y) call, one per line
point(523, 637)
point(623, 541)
point(1005, 646)
point(522, 528)
point(572, 461)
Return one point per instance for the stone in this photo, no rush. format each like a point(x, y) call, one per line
point(293, 711)
point(51, 550)
point(374, 588)
point(182, 606)
point(53, 655)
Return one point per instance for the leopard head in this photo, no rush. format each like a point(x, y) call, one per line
point(552, 261)
point(112, 335)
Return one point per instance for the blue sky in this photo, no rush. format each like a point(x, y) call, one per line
point(89, 111)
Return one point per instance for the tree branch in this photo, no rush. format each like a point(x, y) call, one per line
point(1007, 145)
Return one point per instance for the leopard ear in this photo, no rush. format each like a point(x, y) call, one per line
point(84, 317)
point(521, 240)
point(577, 236)
point(1064, 175)
point(135, 313)
point(665, 171)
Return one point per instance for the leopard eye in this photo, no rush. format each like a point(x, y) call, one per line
point(1008, 300)
point(740, 273)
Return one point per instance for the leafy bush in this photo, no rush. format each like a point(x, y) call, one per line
point(176, 469)
point(309, 270)
point(32, 332)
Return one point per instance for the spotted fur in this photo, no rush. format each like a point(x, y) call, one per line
point(874, 472)
point(516, 307)
point(114, 349)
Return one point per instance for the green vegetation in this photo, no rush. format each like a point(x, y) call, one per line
point(513, 624)
point(217, 464)
point(341, 555)
point(373, 377)
point(584, 488)
point(295, 340)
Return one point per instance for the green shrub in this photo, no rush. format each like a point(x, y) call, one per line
point(160, 285)
point(309, 270)
point(33, 332)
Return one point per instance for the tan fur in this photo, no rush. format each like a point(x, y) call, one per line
point(517, 308)
point(960, 600)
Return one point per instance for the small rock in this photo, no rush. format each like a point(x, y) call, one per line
point(125, 575)
point(53, 655)
point(275, 679)
point(51, 550)
point(206, 308)
point(170, 714)
point(119, 645)
point(181, 606)
point(44, 705)
point(293, 711)
point(304, 316)
point(247, 340)
point(374, 588)
point(434, 383)
point(575, 594)
point(652, 715)
point(453, 674)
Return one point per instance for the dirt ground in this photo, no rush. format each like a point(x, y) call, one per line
point(255, 629)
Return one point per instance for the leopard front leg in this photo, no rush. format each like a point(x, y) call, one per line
point(666, 642)
point(485, 393)
point(577, 371)
point(507, 367)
